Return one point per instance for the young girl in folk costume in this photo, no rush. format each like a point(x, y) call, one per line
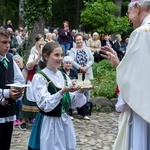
point(53, 128)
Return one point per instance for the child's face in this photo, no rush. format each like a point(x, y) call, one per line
point(4, 45)
point(54, 60)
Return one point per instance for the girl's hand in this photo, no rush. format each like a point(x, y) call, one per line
point(70, 89)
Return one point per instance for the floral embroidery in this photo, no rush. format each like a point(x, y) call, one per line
point(146, 28)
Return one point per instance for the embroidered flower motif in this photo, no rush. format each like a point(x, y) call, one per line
point(146, 28)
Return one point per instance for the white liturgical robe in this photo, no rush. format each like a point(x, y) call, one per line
point(133, 79)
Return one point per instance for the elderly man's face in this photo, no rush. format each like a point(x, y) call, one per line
point(134, 15)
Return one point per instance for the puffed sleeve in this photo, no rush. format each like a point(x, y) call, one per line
point(43, 98)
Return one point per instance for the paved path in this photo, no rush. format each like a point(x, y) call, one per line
point(97, 134)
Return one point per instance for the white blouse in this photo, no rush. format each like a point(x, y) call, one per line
point(48, 102)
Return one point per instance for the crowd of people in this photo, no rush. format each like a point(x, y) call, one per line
point(53, 68)
point(83, 48)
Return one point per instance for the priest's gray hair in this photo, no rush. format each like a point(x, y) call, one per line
point(142, 3)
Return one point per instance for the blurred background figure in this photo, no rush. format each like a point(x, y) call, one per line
point(19, 61)
point(95, 46)
point(56, 32)
point(9, 25)
point(48, 37)
point(45, 32)
point(29, 107)
point(14, 46)
point(72, 73)
point(126, 41)
point(86, 38)
point(107, 41)
point(54, 37)
point(73, 33)
point(82, 61)
point(119, 47)
point(80, 29)
point(65, 37)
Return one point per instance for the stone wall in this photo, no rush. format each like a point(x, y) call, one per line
point(103, 104)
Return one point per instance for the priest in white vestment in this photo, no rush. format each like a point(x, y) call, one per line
point(133, 79)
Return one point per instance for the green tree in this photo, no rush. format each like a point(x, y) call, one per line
point(66, 10)
point(37, 14)
point(99, 16)
point(21, 14)
point(9, 11)
point(105, 78)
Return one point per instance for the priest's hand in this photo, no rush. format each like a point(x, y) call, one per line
point(111, 55)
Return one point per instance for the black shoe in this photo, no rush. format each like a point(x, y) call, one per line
point(23, 127)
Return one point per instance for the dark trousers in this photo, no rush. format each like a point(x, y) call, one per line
point(5, 135)
point(70, 111)
point(81, 111)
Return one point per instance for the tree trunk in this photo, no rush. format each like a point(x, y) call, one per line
point(119, 3)
point(21, 11)
point(117, 14)
point(37, 29)
point(78, 12)
point(2, 18)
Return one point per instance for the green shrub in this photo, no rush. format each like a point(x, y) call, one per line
point(105, 79)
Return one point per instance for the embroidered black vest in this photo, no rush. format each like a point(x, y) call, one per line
point(64, 104)
point(7, 77)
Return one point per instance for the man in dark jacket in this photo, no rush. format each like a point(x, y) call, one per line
point(119, 47)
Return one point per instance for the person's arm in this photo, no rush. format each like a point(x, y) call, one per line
point(62, 33)
point(30, 64)
point(77, 96)
point(91, 58)
point(18, 78)
point(33, 59)
point(46, 101)
point(72, 54)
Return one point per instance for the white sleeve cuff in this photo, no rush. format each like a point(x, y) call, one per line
point(6, 93)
